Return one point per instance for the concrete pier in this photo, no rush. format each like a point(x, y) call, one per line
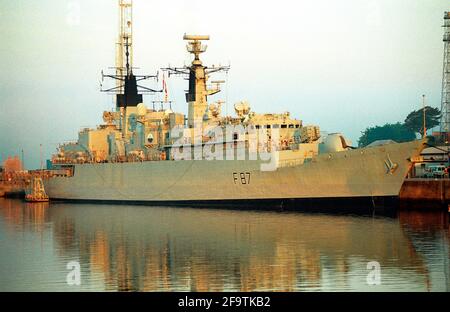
point(425, 194)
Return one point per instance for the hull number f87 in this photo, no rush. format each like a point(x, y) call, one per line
point(241, 178)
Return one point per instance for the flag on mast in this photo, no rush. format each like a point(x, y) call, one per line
point(166, 93)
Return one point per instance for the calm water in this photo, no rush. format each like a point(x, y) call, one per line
point(164, 249)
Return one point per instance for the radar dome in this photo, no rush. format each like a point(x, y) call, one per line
point(141, 109)
point(242, 108)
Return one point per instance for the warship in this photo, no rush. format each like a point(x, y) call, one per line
point(162, 157)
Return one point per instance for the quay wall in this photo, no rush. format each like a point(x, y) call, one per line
point(425, 193)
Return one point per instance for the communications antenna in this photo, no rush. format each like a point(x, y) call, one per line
point(198, 75)
point(445, 98)
point(128, 91)
point(124, 46)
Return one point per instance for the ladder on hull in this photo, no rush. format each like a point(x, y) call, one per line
point(36, 191)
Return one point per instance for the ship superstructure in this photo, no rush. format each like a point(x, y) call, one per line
point(136, 133)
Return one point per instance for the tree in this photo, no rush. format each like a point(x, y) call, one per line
point(397, 132)
point(414, 120)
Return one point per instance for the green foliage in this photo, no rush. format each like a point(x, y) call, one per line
point(414, 121)
point(397, 132)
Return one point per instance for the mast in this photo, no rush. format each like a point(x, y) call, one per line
point(124, 46)
point(127, 90)
point(198, 92)
point(445, 98)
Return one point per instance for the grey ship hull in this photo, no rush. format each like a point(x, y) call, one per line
point(368, 173)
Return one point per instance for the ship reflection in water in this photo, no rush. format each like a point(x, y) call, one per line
point(135, 248)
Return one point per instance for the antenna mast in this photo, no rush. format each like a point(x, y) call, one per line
point(127, 88)
point(445, 99)
point(198, 92)
point(124, 49)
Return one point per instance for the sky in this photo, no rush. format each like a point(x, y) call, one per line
point(344, 65)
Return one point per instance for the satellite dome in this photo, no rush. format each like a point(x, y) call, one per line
point(141, 109)
point(242, 108)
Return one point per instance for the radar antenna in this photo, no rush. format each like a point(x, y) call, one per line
point(198, 75)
